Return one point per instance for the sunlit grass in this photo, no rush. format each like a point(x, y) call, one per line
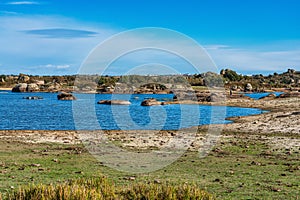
point(101, 188)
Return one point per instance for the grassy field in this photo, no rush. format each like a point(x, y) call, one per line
point(239, 167)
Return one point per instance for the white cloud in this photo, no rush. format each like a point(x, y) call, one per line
point(150, 45)
point(257, 59)
point(263, 58)
point(61, 33)
point(23, 3)
point(20, 51)
point(4, 12)
point(215, 46)
point(63, 66)
point(56, 66)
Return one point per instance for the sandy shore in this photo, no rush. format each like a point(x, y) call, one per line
point(284, 116)
point(280, 128)
point(7, 89)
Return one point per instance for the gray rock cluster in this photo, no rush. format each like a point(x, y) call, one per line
point(114, 102)
point(66, 96)
point(152, 102)
point(24, 87)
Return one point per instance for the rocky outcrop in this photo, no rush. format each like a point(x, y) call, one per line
point(152, 102)
point(201, 96)
point(66, 96)
point(114, 102)
point(53, 87)
point(216, 97)
point(248, 87)
point(21, 87)
point(23, 78)
point(24, 87)
point(180, 95)
point(32, 87)
point(33, 98)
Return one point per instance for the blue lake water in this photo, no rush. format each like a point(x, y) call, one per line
point(49, 113)
point(262, 94)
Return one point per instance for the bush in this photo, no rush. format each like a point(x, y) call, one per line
point(232, 75)
point(101, 188)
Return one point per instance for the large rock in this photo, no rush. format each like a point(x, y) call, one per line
point(186, 95)
point(24, 87)
point(114, 102)
point(151, 102)
point(202, 96)
point(32, 87)
point(23, 78)
point(66, 96)
point(52, 87)
point(21, 87)
point(216, 97)
point(33, 98)
point(234, 87)
point(248, 87)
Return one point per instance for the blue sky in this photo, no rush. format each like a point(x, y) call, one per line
point(55, 36)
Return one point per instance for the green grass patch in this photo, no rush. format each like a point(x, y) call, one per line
point(200, 88)
point(239, 167)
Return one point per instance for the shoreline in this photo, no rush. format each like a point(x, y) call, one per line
point(6, 89)
point(282, 119)
point(212, 90)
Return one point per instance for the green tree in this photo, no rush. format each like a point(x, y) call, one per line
point(231, 75)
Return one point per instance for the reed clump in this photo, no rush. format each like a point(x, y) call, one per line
point(102, 188)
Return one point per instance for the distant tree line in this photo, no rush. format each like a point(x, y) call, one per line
point(226, 77)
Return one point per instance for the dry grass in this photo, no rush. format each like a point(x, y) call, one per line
point(101, 188)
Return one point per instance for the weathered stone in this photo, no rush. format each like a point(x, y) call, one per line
point(24, 87)
point(32, 87)
point(216, 97)
point(21, 87)
point(33, 98)
point(234, 87)
point(151, 102)
point(248, 87)
point(23, 78)
point(53, 87)
point(66, 96)
point(114, 102)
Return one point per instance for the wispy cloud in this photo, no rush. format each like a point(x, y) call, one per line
point(30, 53)
point(5, 12)
point(248, 61)
point(30, 43)
point(23, 3)
point(216, 47)
point(57, 66)
point(61, 33)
